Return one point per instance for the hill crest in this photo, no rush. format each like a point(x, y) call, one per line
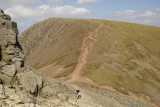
point(125, 55)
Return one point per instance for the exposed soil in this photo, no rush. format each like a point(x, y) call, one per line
point(87, 45)
point(75, 77)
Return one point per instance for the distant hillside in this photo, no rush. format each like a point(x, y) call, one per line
point(125, 56)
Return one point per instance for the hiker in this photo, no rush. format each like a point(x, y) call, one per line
point(78, 94)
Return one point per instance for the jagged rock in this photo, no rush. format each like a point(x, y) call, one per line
point(18, 64)
point(11, 57)
point(6, 58)
point(7, 39)
point(9, 70)
point(10, 49)
point(1, 11)
point(14, 97)
point(30, 81)
point(4, 16)
point(19, 55)
point(16, 59)
point(20, 98)
point(8, 30)
point(6, 79)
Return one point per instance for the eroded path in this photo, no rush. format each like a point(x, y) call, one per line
point(87, 45)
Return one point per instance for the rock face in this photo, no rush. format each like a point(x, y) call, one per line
point(8, 30)
point(19, 85)
point(11, 57)
point(31, 81)
point(12, 67)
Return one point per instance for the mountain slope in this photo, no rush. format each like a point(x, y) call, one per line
point(124, 56)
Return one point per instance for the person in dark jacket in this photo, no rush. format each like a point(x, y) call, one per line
point(78, 94)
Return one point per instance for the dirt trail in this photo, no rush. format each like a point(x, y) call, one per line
point(76, 77)
point(87, 45)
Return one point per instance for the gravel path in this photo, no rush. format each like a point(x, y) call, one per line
point(95, 97)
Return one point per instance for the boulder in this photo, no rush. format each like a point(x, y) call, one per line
point(6, 79)
point(21, 97)
point(1, 11)
point(18, 64)
point(30, 81)
point(10, 49)
point(9, 91)
point(6, 58)
point(9, 70)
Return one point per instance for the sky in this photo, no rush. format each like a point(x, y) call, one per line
point(28, 12)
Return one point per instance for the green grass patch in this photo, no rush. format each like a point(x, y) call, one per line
point(73, 65)
point(130, 66)
point(56, 59)
point(120, 80)
point(132, 50)
point(66, 73)
point(147, 74)
point(93, 66)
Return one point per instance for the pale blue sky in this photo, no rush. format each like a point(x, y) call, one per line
point(28, 12)
point(107, 7)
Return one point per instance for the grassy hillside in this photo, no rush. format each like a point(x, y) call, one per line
point(53, 40)
point(125, 56)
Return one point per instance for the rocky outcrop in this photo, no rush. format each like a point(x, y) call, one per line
point(13, 96)
point(19, 85)
point(8, 30)
point(12, 68)
point(10, 52)
point(31, 81)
